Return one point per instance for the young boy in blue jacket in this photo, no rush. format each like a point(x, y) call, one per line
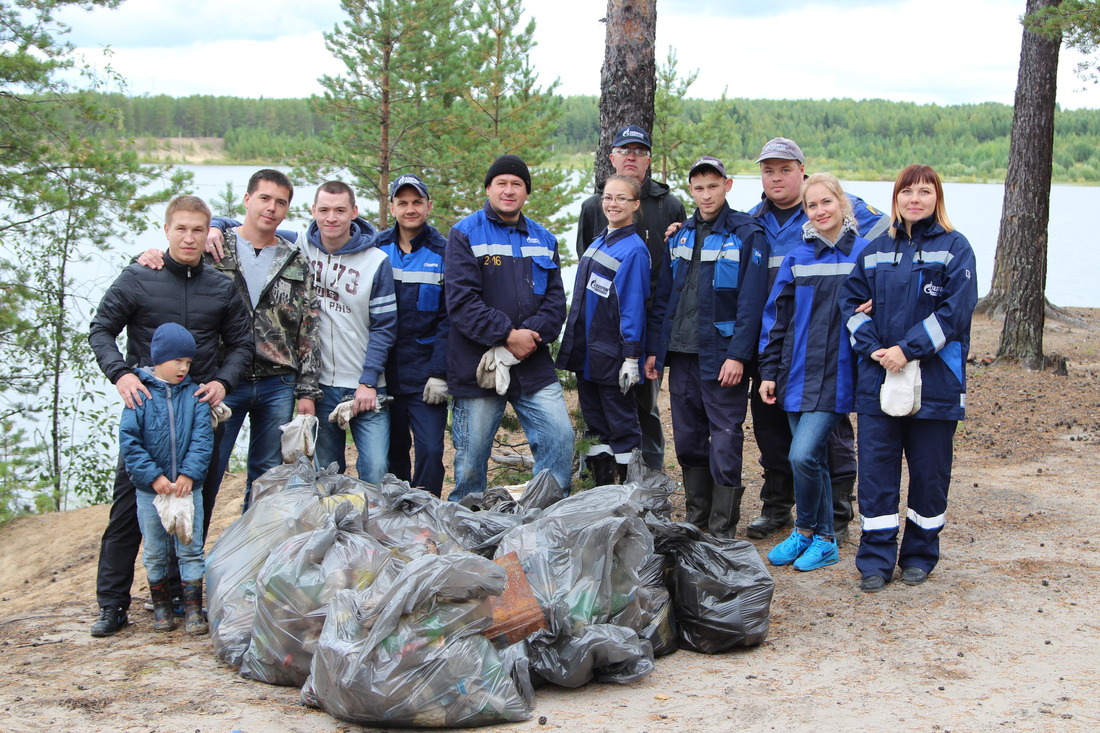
point(166, 443)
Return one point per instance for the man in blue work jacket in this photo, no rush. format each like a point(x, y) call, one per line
point(417, 368)
point(712, 299)
point(506, 304)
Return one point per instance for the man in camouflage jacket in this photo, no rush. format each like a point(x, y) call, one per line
point(274, 280)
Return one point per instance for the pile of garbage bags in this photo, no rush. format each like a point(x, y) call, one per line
point(389, 607)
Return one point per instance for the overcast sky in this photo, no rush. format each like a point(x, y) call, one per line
point(941, 51)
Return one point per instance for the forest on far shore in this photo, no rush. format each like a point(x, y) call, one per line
point(869, 139)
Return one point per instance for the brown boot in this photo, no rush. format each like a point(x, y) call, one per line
point(163, 620)
point(193, 620)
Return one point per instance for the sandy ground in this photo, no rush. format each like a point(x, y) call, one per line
point(1005, 635)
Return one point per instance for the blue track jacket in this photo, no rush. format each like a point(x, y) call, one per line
point(804, 346)
point(924, 291)
point(500, 278)
point(733, 285)
point(422, 325)
point(169, 434)
point(607, 317)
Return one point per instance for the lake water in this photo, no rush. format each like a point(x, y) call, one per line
point(975, 210)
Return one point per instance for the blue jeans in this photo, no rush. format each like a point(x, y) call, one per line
point(268, 403)
point(158, 542)
point(809, 457)
point(370, 430)
point(545, 422)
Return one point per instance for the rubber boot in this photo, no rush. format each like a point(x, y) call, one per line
point(777, 495)
point(842, 509)
point(725, 510)
point(601, 467)
point(698, 488)
point(193, 621)
point(163, 619)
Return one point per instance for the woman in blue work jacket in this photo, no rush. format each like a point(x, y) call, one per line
point(910, 300)
point(605, 332)
point(806, 362)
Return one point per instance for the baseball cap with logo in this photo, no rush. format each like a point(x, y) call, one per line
point(708, 161)
point(408, 179)
point(781, 147)
point(631, 134)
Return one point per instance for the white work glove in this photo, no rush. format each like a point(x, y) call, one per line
point(343, 413)
point(177, 515)
point(435, 391)
point(299, 437)
point(219, 413)
point(628, 374)
point(493, 371)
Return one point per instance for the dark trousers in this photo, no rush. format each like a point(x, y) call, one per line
point(415, 423)
point(118, 550)
point(707, 420)
point(927, 447)
point(772, 430)
point(611, 416)
point(649, 420)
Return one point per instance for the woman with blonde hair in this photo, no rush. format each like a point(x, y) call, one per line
point(806, 362)
point(920, 281)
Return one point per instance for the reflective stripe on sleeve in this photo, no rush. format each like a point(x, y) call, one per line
point(935, 333)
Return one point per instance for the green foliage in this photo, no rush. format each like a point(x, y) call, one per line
point(438, 89)
point(21, 477)
point(681, 136)
point(1077, 22)
point(403, 71)
point(227, 203)
point(64, 189)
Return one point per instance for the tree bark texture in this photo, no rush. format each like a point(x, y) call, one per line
point(628, 76)
point(1020, 267)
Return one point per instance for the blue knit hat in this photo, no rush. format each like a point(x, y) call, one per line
point(171, 341)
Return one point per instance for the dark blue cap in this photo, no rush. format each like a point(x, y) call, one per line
point(408, 179)
point(631, 134)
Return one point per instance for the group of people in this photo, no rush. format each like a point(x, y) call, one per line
point(797, 310)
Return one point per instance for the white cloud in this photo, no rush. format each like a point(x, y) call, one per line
point(941, 51)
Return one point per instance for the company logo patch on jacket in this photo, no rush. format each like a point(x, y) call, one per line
point(934, 290)
point(599, 285)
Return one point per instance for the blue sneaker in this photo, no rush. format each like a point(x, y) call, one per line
point(820, 553)
point(789, 549)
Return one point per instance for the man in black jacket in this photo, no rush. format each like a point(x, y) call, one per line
point(630, 154)
point(206, 303)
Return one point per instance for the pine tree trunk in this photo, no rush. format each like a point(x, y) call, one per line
point(1020, 268)
point(628, 76)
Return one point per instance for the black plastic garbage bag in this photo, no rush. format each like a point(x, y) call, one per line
point(242, 549)
point(721, 591)
point(412, 655)
point(652, 615)
point(295, 585)
point(601, 652)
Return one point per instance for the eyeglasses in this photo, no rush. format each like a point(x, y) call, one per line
point(637, 152)
point(617, 199)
